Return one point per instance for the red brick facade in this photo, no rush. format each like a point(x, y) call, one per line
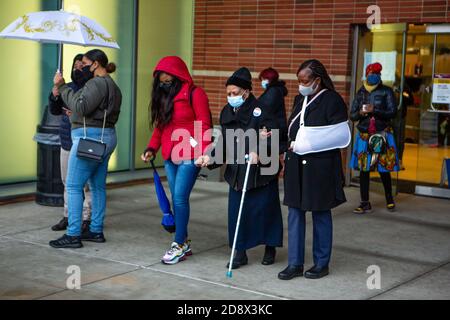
point(283, 33)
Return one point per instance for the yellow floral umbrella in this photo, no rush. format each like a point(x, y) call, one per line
point(59, 27)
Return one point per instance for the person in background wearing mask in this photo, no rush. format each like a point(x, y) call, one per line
point(95, 111)
point(313, 177)
point(57, 107)
point(273, 99)
point(261, 221)
point(176, 105)
point(374, 147)
point(399, 122)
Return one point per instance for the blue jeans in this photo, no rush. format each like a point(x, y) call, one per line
point(81, 171)
point(322, 237)
point(181, 179)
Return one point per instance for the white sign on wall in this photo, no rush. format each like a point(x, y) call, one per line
point(441, 88)
point(387, 59)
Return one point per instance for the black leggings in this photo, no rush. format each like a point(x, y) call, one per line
point(364, 179)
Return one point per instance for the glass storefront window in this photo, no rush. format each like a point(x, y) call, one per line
point(165, 28)
point(384, 45)
point(426, 123)
point(116, 16)
point(28, 69)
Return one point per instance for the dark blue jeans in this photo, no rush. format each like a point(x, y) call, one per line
point(181, 178)
point(322, 237)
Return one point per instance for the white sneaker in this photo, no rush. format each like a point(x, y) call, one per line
point(187, 248)
point(174, 255)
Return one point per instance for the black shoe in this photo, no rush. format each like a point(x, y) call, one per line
point(85, 226)
point(240, 259)
point(61, 225)
point(269, 256)
point(390, 204)
point(363, 208)
point(66, 242)
point(316, 272)
point(93, 236)
point(291, 272)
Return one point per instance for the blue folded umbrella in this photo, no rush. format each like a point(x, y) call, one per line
point(168, 219)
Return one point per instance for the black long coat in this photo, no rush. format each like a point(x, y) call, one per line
point(261, 220)
point(272, 100)
point(314, 182)
point(244, 119)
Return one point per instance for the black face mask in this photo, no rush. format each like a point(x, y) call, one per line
point(166, 86)
point(87, 73)
point(78, 78)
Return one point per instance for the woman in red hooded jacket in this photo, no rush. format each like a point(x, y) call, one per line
point(181, 120)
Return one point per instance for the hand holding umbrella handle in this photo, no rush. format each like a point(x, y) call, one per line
point(152, 162)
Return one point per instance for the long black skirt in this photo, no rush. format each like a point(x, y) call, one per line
point(261, 220)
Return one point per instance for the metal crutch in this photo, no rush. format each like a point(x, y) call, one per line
point(244, 189)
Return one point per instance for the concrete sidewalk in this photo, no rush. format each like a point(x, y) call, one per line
point(411, 247)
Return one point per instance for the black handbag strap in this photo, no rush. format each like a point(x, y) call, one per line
point(104, 117)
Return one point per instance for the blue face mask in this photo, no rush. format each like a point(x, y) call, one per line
point(264, 84)
point(236, 101)
point(373, 79)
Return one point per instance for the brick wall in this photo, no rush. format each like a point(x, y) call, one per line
point(283, 33)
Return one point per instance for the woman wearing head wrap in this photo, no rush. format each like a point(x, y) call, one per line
point(374, 148)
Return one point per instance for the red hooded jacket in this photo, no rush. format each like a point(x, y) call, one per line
point(176, 145)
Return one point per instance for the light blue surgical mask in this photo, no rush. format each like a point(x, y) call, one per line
point(307, 91)
point(235, 101)
point(265, 84)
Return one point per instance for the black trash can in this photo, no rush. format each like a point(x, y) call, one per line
point(50, 189)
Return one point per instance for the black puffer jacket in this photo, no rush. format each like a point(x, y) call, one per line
point(272, 100)
point(385, 107)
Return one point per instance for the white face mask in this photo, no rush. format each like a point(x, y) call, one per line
point(307, 91)
point(265, 84)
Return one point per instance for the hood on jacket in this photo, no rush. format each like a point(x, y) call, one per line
point(281, 85)
point(175, 66)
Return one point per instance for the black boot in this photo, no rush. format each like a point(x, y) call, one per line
point(61, 225)
point(66, 242)
point(291, 272)
point(85, 226)
point(269, 256)
point(240, 259)
point(316, 272)
point(92, 236)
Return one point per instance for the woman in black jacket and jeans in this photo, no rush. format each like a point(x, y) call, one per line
point(373, 108)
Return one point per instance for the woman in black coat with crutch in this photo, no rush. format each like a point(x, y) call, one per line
point(261, 221)
point(313, 177)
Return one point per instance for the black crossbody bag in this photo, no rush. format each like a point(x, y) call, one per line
point(91, 149)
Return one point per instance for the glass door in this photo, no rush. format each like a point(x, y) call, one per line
point(415, 97)
point(385, 45)
point(434, 135)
